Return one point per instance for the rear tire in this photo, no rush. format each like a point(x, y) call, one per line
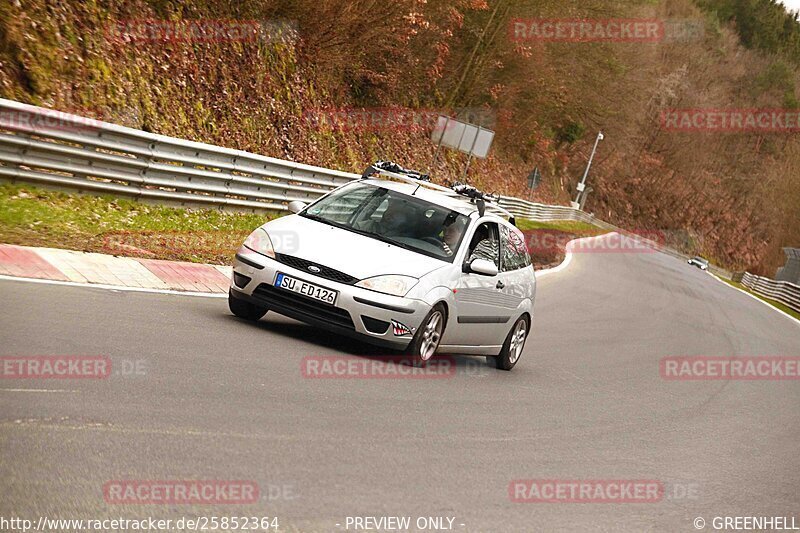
point(244, 309)
point(425, 342)
point(513, 346)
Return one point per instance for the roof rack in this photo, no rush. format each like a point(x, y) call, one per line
point(481, 199)
point(393, 170)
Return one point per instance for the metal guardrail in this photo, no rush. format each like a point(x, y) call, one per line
point(60, 150)
point(782, 291)
point(543, 212)
point(57, 149)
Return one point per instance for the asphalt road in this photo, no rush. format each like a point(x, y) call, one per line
point(219, 398)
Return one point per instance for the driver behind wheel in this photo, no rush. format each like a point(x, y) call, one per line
point(394, 221)
point(484, 245)
point(395, 218)
point(453, 228)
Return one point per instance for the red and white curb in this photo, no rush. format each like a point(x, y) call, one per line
point(568, 254)
point(67, 267)
point(88, 269)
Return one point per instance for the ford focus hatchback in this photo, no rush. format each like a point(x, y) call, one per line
point(398, 262)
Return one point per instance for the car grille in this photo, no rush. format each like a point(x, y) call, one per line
point(324, 272)
point(303, 305)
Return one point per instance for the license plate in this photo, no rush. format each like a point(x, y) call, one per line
point(306, 289)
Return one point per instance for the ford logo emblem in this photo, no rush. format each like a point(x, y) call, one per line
point(314, 268)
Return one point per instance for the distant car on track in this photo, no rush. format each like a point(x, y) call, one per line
point(699, 262)
point(398, 262)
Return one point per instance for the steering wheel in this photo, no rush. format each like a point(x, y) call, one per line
point(432, 240)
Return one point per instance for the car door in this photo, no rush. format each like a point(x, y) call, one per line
point(482, 313)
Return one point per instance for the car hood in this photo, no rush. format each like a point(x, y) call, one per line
point(357, 255)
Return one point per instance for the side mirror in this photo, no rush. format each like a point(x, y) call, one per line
point(483, 266)
point(296, 206)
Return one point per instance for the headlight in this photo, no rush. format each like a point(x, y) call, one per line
point(392, 284)
point(259, 242)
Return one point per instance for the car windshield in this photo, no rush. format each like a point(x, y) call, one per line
point(701, 260)
point(389, 216)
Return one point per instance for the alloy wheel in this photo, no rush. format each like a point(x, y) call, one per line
point(517, 341)
point(431, 336)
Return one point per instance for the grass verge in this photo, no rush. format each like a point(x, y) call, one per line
point(580, 229)
point(547, 241)
point(32, 216)
point(774, 303)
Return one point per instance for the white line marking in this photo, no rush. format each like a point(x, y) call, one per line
point(114, 287)
point(784, 313)
point(568, 257)
point(558, 268)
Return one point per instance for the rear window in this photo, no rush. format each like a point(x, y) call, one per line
point(515, 253)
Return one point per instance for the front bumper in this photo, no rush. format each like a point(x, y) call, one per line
point(359, 313)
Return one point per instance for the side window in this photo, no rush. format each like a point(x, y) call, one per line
point(514, 252)
point(526, 254)
point(485, 244)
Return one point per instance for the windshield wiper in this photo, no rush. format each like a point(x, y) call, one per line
point(315, 217)
point(324, 220)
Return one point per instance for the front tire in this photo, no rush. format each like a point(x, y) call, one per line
point(514, 345)
point(426, 340)
point(244, 309)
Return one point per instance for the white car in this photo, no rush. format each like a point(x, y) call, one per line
point(398, 262)
point(699, 262)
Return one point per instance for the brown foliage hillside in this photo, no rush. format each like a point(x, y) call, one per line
point(736, 194)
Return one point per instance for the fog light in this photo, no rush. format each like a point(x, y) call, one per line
point(240, 280)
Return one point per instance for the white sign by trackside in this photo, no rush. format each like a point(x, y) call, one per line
point(462, 136)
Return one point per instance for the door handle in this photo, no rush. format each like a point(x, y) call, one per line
point(500, 285)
